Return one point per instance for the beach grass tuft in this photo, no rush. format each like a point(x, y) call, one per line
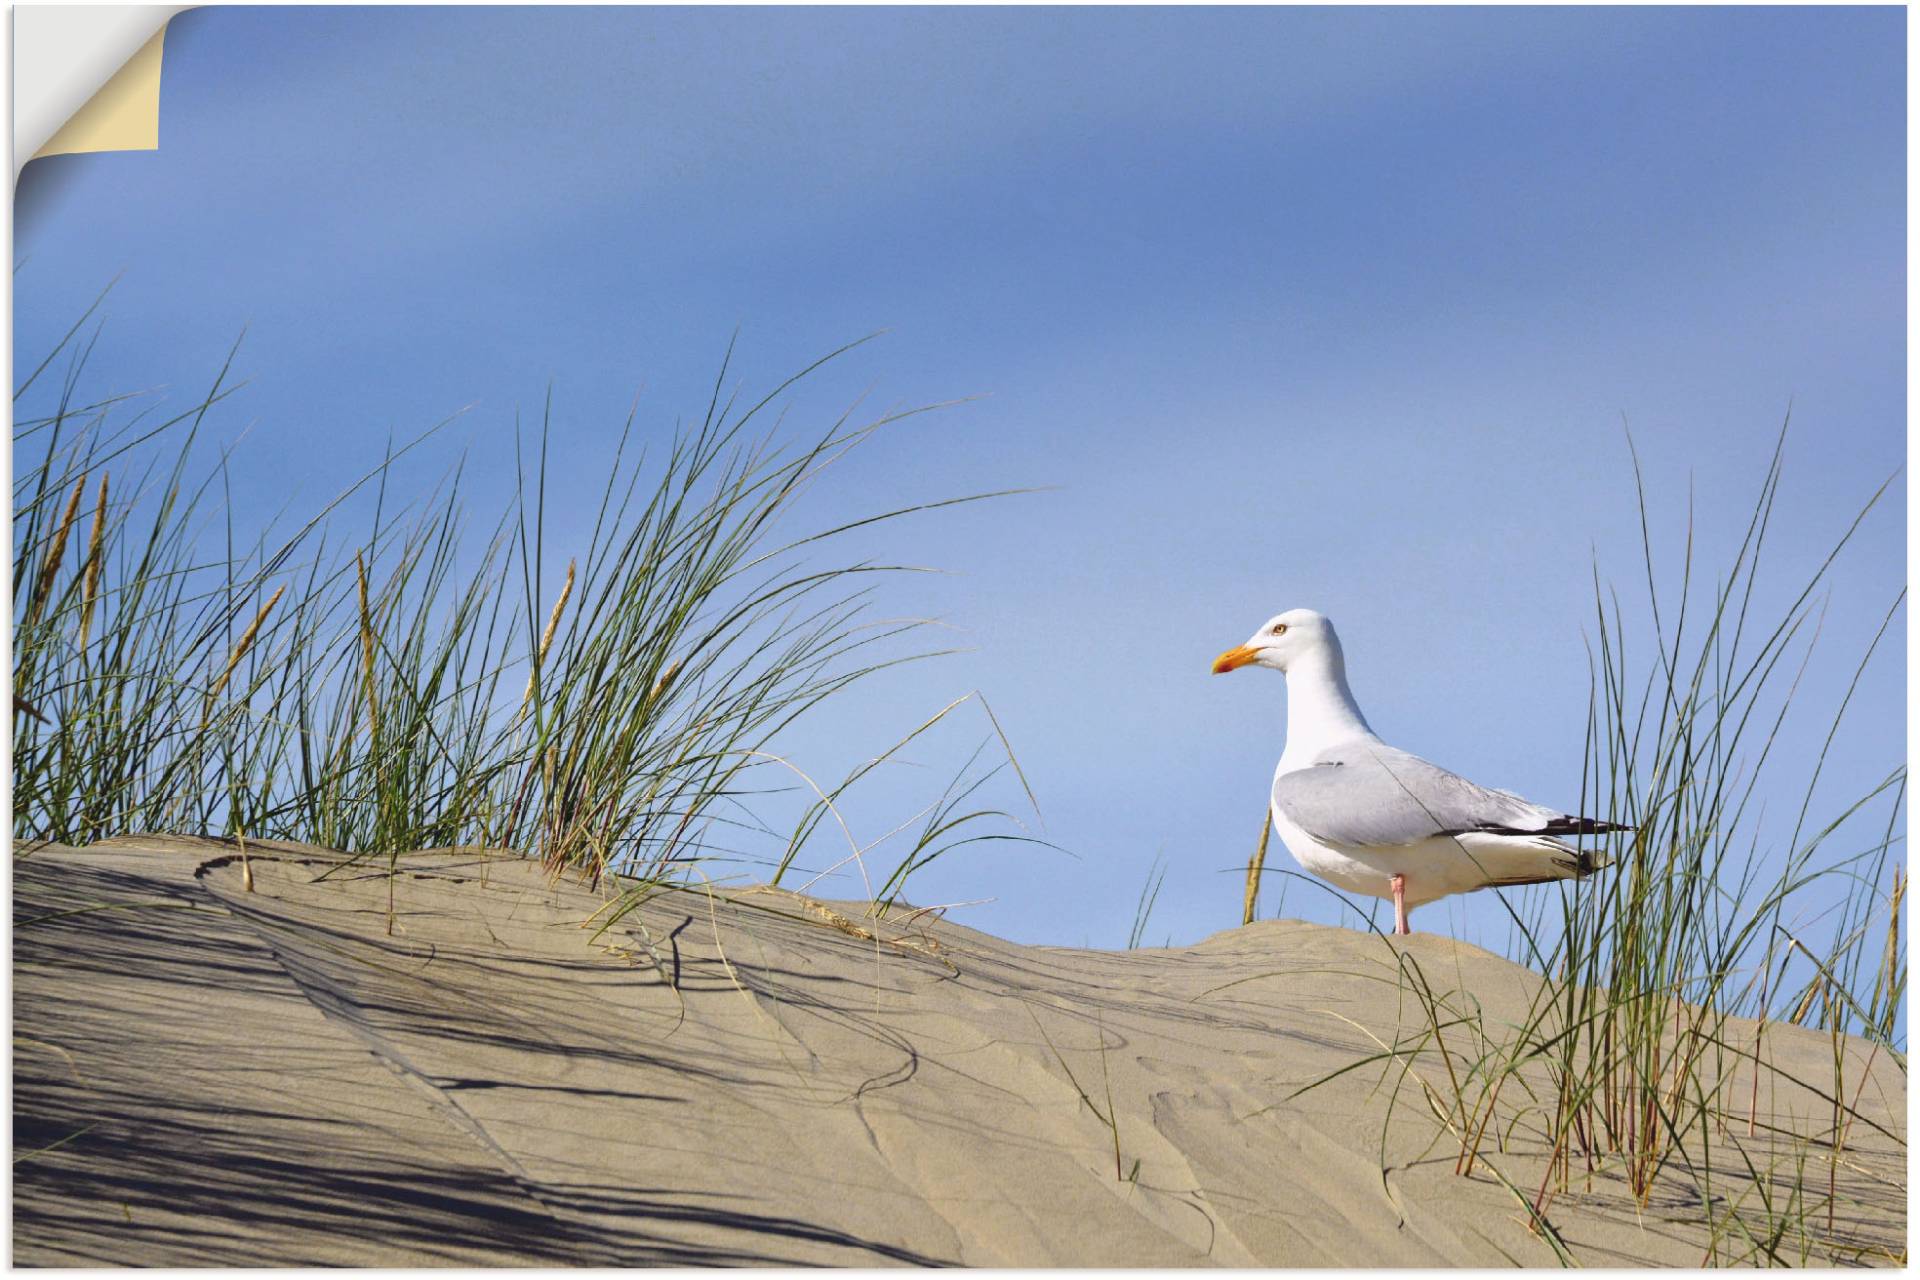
point(1647, 1062)
point(401, 684)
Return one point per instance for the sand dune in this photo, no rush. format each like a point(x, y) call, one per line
point(207, 1075)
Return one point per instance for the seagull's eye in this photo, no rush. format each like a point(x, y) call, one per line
point(1277, 629)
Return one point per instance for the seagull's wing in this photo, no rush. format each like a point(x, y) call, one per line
point(1367, 794)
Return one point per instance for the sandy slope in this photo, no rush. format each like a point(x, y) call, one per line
point(209, 1076)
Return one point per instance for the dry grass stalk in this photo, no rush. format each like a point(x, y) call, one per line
point(660, 685)
point(90, 575)
point(546, 637)
point(1890, 969)
point(247, 638)
point(1816, 988)
point(366, 650)
point(56, 551)
point(1253, 868)
point(246, 863)
point(513, 814)
point(555, 853)
point(925, 944)
point(371, 688)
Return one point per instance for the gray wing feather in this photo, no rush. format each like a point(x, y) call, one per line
point(1369, 794)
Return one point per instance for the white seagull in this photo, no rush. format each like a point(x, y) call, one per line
point(1380, 821)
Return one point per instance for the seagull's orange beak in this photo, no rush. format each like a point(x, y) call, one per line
point(1232, 658)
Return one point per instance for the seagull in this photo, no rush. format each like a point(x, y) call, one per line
point(1377, 820)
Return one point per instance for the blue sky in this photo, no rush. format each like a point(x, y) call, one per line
point(1289, 307)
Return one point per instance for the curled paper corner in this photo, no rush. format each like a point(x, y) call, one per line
point(87, 78)
point(123, 116)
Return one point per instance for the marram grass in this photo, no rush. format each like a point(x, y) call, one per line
point(404, 684)
point(1643, 1063)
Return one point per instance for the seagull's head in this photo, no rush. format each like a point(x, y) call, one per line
point(1281, 641)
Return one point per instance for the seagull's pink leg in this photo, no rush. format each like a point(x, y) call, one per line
point(1400, 906)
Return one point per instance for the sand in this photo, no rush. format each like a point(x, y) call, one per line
point(210, 1076)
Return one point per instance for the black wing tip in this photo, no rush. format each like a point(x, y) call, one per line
point(1575, 826)
point(1562, 826)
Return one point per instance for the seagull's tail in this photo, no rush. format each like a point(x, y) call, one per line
point(1563, 862)
point(1588, 861)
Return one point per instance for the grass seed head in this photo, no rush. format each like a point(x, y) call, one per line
point(56, 551)
point(546, 637)
point(247, 638)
